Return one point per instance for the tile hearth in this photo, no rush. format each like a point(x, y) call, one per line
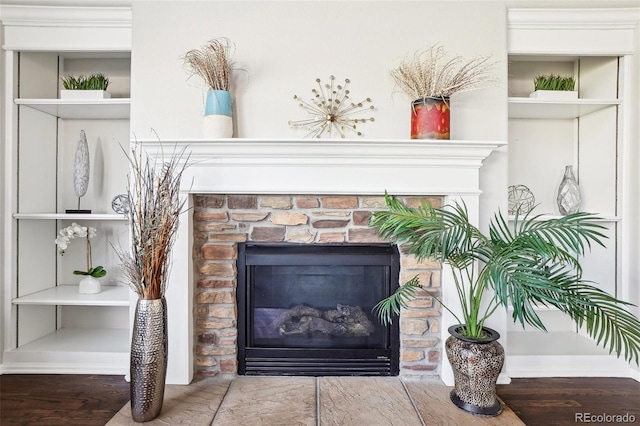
point(344, 401)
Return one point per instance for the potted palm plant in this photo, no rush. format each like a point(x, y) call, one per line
point(529, 263)
point(430, 78)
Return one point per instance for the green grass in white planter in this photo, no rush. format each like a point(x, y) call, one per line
point(554, 82)
point(554, 87)
point(94, 86)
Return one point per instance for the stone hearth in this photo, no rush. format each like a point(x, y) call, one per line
point(222, 221)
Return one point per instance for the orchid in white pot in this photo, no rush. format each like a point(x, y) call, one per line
point(77, 231)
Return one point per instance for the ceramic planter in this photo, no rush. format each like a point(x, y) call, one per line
point(84, 94)
point(557, 95)
point(89, 285)
point(476, 365)
point(218, 115)
point(430, 118)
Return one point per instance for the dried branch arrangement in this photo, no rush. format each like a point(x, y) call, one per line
point(154, 196)
point(430, 74)
point(212, 63)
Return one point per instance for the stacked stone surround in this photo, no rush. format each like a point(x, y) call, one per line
point(223, 221)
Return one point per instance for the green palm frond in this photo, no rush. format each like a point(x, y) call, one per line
point(602, 315)
point(386, 308)
point(427, 232)
point(530, 262)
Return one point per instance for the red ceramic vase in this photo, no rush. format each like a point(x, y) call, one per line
point(430, 118)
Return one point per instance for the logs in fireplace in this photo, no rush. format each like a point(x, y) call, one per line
point(307, 309)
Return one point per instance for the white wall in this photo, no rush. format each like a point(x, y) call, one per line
point(284, 46)
point(2, 186)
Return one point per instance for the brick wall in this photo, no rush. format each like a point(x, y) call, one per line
point(222, 221)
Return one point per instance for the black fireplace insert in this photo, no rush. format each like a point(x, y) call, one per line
point(307, 309)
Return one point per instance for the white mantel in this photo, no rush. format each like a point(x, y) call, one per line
point(305, 166)
point(331, 166)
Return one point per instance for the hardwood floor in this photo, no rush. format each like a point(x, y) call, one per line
point(568, 401)
point(88, 400)
point(82, 400)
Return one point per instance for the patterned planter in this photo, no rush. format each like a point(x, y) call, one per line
point(476, 365)
point(149, 347)
point(430, 118)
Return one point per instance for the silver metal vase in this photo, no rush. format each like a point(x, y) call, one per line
point(149, 346)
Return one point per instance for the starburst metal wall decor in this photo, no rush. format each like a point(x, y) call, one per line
point(332, 111)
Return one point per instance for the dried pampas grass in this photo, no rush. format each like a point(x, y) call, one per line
point(212, 62)
point(430, 74)
point(154, 196)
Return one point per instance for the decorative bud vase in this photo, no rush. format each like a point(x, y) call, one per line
point(568, 193)
point(430, 118)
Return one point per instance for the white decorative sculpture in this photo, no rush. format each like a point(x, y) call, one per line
point(81, 171)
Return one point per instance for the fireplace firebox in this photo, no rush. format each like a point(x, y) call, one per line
point(307, 309)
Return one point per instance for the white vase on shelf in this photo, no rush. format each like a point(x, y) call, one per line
point(89, 285)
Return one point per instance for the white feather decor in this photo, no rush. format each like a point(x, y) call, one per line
point(81, 166)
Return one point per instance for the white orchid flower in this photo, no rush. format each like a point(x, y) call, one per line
point(77, 231)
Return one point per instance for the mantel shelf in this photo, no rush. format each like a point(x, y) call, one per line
point(314, 151)
point(328, 166)
point(556, 109)
point(81, 109)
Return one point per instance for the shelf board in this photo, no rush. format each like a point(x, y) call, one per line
point(87, 340)
point(559, 343)
point(556, 109)
point(98, 109)
point(511, 218)
point(537, 308)
point(70, 216)
point(68, 295)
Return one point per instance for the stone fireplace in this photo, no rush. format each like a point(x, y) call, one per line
point(223, 221)
point(310, 192)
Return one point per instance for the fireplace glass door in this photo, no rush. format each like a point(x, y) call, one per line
point(308, 309)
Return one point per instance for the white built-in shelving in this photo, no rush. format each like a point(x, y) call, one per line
point(48, 326)
point(68, 295)
point(81, 109)
point(533, 108)
point(545, 135)
point(70, 216)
